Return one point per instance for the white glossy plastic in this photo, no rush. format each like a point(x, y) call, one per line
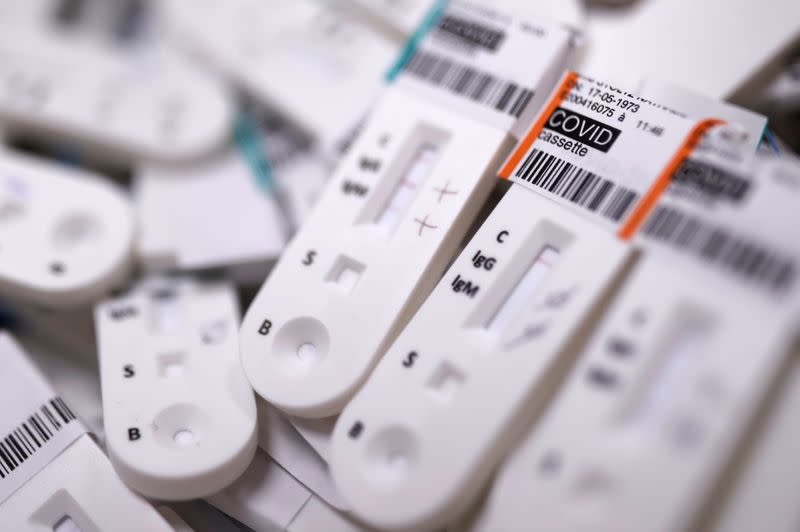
point(180, 418)
point(765, 492)
point(661, 38)
point(501, 324)
point(337, 296)
point(267, 498)
point(247, 228)
point(397, 18)
point(664, 391)
point(66, 236)
point(314, 62)
point(109, 104)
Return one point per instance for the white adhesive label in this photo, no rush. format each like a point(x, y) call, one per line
point(35, 424)
point(670, 183)
point(602, 151)
point(471, 61)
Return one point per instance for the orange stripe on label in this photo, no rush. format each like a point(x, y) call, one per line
point(648, 203)
point(568, 83)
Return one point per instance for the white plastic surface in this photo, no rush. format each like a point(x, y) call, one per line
point(493, 338)
point(174, 205)
point(300, 185)
point(180, 418)
point(30, 14)
point(766, 492)
point(751, 125)
point(312, 61)
point(265, 498)
point(173, 519)
point(740, 42)
point(569, 13)
point(66, 236)
point(783, 94)
point(52, 474)
point(80, 485)
point(283, 443)
point(268, 499)
point(650, 415)
point(397, 18)
point(299, 172)
point(337, 295)
point(317, 516)
point(166, 113)
point(317, 432)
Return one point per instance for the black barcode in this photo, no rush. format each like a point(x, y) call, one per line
point(482, 87)
point(577, 185)
point(32, 434)
point(719, 246)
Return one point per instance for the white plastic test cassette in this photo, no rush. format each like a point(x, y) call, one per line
point(66, 236)
point(478, 359)
point(109, 104)
point(652, 414)
point(179, 415)
point(313, 61)
point(520, 286)
point(173, 204)
point(52, 475)
point(392, 216)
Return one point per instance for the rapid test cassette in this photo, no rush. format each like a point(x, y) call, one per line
point(169, 112)
point(314, 62)
point(392, 215)
point(520, 286)
point(403, 19)
point(180, 418)
point(66, 236)
point(493, 338)
point(676, 372)
point(52, 475)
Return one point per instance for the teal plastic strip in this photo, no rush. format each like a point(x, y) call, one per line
point(769, 136)
point(250, 142)
point(430, 20)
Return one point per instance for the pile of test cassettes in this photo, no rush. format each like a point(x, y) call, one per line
point(384, 265)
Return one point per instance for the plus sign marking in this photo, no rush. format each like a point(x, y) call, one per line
point(423, 224)
point(445, 191)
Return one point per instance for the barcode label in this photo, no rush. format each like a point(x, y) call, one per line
point(576, 185)
point(717, 245)
point(28, 437)
point(481, 87)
